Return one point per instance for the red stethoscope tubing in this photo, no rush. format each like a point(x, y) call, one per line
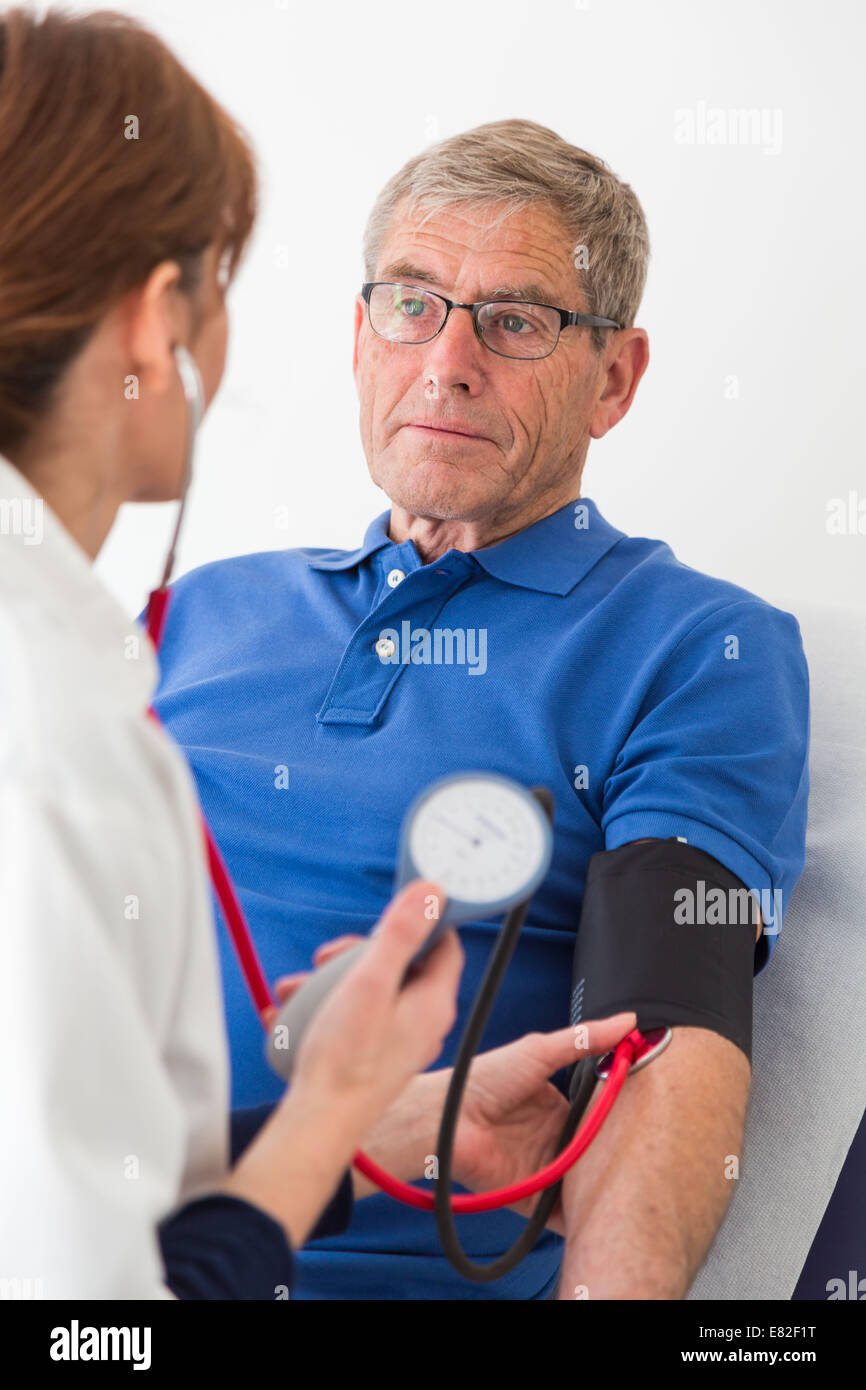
point(545, 1177)
point(260, 993)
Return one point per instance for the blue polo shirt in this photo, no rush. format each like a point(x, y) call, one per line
point(316, 692)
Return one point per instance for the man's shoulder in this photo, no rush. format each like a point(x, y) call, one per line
point(651, 575)
point(258, 569)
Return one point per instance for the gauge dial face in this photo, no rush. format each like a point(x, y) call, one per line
point(481, 840)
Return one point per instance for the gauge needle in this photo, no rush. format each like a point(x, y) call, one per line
point(491, 826)
point(459, 830)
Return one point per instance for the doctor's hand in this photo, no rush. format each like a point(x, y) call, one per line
point(367, 1039)
point(372, 1033)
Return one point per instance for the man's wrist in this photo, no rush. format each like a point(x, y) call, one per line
point(403, 1141)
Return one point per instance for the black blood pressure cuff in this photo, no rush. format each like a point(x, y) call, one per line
point(669, 932)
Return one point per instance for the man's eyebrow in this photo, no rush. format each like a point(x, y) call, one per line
point(407, 273)
point(536, 293)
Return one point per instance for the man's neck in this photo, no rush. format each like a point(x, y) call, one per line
point(433, 537)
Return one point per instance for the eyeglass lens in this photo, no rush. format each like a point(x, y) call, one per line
point(407, 314)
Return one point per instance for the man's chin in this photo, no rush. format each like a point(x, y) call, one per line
point(439, 504)
point(437, 490)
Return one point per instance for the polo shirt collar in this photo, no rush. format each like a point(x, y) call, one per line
point(551, 556)
point(375, 537)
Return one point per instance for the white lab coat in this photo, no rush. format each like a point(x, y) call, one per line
point(113, 1056)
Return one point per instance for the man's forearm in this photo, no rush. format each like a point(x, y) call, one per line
point(643, 1204)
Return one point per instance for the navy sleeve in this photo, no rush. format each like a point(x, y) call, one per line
point(245, 1125)
point(221, 1247)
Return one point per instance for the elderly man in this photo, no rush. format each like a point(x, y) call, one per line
point(494, 619)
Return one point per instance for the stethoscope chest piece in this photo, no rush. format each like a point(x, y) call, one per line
point(657, 1040)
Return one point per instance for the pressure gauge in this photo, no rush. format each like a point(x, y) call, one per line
point(484, 839)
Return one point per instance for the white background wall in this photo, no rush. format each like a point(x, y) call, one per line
point(756, 273)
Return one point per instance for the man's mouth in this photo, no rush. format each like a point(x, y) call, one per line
point(460, 431)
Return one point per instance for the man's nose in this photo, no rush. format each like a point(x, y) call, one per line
point(455, 356)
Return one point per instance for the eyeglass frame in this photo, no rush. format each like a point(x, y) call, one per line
point(568, 318)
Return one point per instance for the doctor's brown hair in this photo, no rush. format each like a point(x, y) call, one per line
point(86, 211)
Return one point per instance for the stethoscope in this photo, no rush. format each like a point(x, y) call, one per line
point(487, 841)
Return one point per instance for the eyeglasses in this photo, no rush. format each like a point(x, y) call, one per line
point(510, 328)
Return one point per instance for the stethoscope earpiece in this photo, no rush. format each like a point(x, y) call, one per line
point(193, 390)
point(190, 380)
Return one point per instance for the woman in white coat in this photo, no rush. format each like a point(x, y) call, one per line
point(127, 196)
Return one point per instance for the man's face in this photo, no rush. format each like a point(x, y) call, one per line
point(532, 418)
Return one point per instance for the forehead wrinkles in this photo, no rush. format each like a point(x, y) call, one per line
point(470, 252)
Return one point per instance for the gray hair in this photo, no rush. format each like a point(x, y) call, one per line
point(519, 163)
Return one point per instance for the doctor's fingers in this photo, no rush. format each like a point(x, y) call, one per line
point(431, 995)
point(287, 985)
point(283, 990)
point(407, 922)
point(323, 953)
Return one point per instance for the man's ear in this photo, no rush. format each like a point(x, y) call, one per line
point(624, 371)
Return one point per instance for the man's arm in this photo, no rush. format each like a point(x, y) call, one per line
point(644, 1203)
